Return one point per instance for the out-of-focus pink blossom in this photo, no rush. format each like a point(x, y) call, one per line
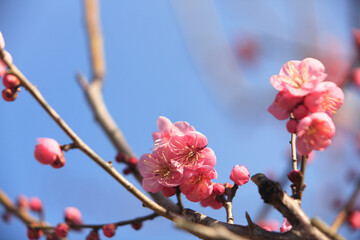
point(167, 129)
point(11, 81)
point(34, 233)
point(291, 125)
point(286, 226)
point(109, 230)
point(300, 112)
point(299, 77)
point(22, 202)
point(168, 191)
point(356, 76)
point(284, 104)
point(158, 170)
point(326, 97)
point(61, 230)
point(356, 35)
point(196, 184)
point(72, 215)
point(354, 219)
point(211, 201)
point(191, 151)
point(269, 225)
point(240, 175)
point(9, 94)
point(47, 150)
point(314, 133)
point(93, 235)
point(35, 204)
point(136, 225)
point(219, 189)
point(2, 68)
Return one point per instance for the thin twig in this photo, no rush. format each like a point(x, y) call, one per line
point(67, 147)
point(344, 212)
point(179, 200)
point(301, 187)
point(228, 204)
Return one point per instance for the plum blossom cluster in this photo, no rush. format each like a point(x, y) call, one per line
point(309, 101)
point(182, 159)
point(10, 81)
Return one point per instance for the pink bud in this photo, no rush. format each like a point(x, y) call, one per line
point(240, 175)
point(286, 226)
point(9, 94)
point(168, 191)
point(354, 219)
point(47, 151)
point(93, 235)
point(291, 125)
point(219, 189)
point(22, 201)
point(109, 230)
point(73, 216)
point(300, 112)
point(2, 42)
point(35, 204)
point(59, 162)
point(133, 161)
point(62, 230)
point(11, 81)
point(136, 225)
point(2, 68)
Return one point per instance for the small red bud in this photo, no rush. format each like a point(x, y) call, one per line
point(127, 171)
point(22, 201)
point(93, 235)
point(6, 217)
point(294, 177)
point(300, 112)
point(136, 225)
point(132, 162)
point(62, 230)
point(9, 94)
point(11, 81)
point(354, 219)
point(168, 191)
point(109, 230)
point(291, 125)
point(121, 157)
point(219, 189)
point(35, 204)
point(33, 233)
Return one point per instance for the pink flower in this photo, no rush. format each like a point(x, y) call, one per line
point(167, 129)
point(240, 175)
point(356, 76)
point(159, 171)
point(299, 77)
point(219, 189)
point(326, 97)
point(93, 235)
point(191, 151)
point(283, 105)
point(73, 216)
point(47, 151)
point(314, 133)
point(196, 184)
point(286, 226)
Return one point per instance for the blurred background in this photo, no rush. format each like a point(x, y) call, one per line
point(204, 62)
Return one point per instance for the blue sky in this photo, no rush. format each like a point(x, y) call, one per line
point(155, 67)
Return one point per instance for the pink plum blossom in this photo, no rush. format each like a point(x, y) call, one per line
point(35, 204)
point(72, 215)
point(196, 184)
point(47, 150)
point(219, 189)
point(167, 129)
point(283, 105)
point(269, 225)
point(314, 133)
point(354, 219)
point(211, 201)
point(299, 77)
point(191, 151)
point(61, 230)
point(286, 226)
point(240, 175)
point(326, 97)
point(159, 171)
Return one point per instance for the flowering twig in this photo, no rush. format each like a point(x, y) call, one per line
point(67, 147)
point(299, 191)
point(228, 204)
point(344, 212)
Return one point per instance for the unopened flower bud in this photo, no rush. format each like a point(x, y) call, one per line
point(291, 125)
point(127, 171)
point(11, 81)
point(22, 202)
point(121, 157)
point(354, 219)
point(300, 112)
point(33, 233)
point(219, 189)
point(136, 225)
point(168, 191)
point(35, 204)
point(93, 235)
point(295, 177)
point(133, 161)
point(47, 151)
point(240, 175)
point(9, 94)
point(73, 216)
point(109, 230)
point(62, 230)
